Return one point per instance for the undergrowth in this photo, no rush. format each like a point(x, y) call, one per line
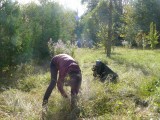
point(135, 96)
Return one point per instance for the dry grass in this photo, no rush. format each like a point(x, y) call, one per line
point(138, 73)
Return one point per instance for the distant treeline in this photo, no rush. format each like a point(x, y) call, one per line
point(135, 21)
point(26, 29)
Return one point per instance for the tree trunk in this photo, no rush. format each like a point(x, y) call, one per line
point(109, 30)
point(118, 6)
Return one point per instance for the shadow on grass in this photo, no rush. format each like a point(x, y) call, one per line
point(7, 81)
point(10, 76)
point(62, 114)
point(115, 53)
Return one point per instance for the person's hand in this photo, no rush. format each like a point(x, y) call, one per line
point(65, 95)
point(67, 101)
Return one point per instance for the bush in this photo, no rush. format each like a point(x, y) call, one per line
point(153, 36)
point(60, 47)
point(33, 81)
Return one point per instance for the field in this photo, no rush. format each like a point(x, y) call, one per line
point(136, 96)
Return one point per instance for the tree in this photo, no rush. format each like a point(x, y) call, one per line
point(145, 12)
point(45, 21)
point(26, 29)
point(131, 28)
point(103, 35)
point(109, 30)
point(106, 12)
point(10, 43)
point(153, 36)
point(137, 17)
point(68, 26)
point(91, 4)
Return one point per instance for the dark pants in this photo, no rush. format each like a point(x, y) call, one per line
point(53, 82)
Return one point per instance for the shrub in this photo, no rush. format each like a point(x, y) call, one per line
point(30, 82)
point(153, 36)
point(59, 48)
point(141, 40)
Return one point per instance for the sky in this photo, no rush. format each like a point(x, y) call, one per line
point(72, 4)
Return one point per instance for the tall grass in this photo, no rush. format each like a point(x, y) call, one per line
point(139, 81)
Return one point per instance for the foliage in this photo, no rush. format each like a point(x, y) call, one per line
point(145, 12)
point(131, 28)
point(141, 40)
point(68, 26)
point(134, 15)
point(60, 48)
point(30, 82)
point(26, 29)
point(53, 21)
point(99, 14)
point(137, 16)
point(93, 20)
point(91, 4)
point(153, 36)
point(10, 42)
point(90, 27)
point(102, 34)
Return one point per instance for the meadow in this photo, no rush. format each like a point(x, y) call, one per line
point(136, 96)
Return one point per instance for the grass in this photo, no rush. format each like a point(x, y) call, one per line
point(139, 82)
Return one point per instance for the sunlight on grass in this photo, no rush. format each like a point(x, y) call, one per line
point(139, 79)
point(20, 105)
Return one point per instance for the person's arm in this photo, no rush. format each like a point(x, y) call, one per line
point(60, 87)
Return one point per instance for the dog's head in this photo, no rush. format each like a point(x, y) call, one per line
point(97, 69)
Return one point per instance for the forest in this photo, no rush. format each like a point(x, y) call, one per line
point(124, 34)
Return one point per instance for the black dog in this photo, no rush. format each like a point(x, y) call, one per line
point(104, 72)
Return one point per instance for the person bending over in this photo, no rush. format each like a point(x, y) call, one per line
point(66, 66)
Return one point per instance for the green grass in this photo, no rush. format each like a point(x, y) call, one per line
point(139, 80)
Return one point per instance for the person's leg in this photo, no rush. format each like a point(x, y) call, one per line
point(52, 84)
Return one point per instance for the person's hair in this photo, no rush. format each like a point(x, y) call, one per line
point(76, 76)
